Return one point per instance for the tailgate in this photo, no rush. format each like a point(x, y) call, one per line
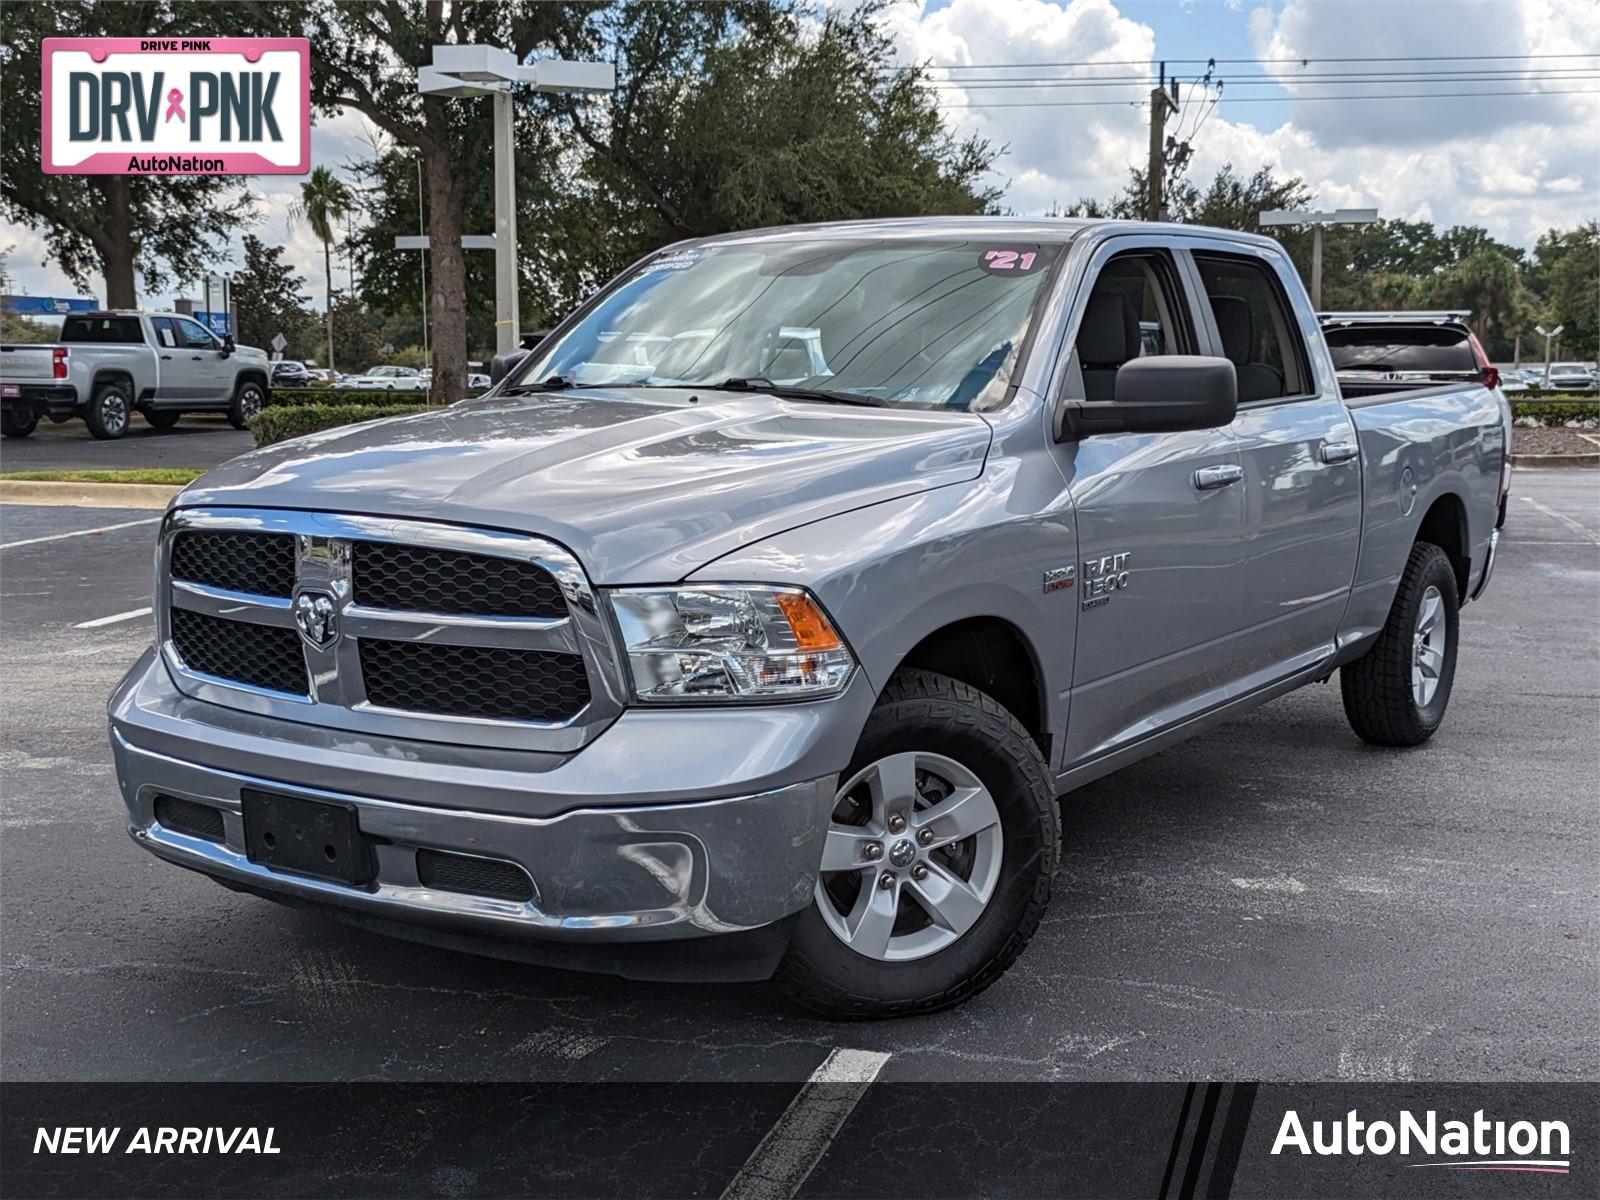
point(25, 363)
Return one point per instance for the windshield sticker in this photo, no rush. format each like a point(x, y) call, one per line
point(675, 260)
point(1009, 262)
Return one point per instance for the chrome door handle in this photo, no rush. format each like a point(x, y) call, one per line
point(1209, 478)
point(1338, 452)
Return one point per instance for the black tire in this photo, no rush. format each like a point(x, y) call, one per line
point(15, 424)
point(922, 711)
point(161, 418)
point(249, 398)
point(1379, 699)
point(110, 410)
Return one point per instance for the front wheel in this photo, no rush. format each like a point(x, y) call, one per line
point(938, 860)
point(248, 400)
point(1396, 693)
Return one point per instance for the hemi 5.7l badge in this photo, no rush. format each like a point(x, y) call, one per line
point(1104, 576)
point(1058, 579)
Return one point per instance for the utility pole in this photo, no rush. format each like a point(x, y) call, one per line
point(1161, 103)
point(1341, 216)
point(1549, 334)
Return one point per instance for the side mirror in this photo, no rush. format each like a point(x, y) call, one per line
point(1165, 393)
point(228, 345)
point(502, 364)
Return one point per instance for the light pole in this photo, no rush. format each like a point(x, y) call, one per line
point(490, 71)
point(1340, 216)
point(1549, 334)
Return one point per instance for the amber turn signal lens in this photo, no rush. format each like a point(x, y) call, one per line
point(811, 629)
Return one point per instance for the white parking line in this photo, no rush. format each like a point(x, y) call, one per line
point(801, 1136)
point(56, 537)
point(1594, 539)
point(113, 618)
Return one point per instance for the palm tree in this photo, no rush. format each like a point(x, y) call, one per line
point(324, 201)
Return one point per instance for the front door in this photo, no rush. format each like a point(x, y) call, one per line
point(201, 366)
point(1160, 522)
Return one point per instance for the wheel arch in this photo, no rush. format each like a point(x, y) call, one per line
point(1445, 525)
point(993, 655)
point(252, 375)
point(105, 375)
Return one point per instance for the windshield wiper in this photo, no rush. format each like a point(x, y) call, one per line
point(559, 383)
point(760, 383)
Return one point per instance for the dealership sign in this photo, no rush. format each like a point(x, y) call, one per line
point(176, 106)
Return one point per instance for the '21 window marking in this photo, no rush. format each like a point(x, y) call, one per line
point(1009, 260)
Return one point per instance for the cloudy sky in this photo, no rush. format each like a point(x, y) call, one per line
point(1062, 87)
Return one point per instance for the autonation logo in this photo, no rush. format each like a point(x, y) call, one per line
point(1480, 1144)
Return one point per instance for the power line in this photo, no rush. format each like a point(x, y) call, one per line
point(1145, 62)
point(1276, 81)
point(1042, 84)
point(1138, 103)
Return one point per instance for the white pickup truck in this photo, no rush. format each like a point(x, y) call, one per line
point(107, 364)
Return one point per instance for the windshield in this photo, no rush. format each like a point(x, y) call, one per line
point(928, 324)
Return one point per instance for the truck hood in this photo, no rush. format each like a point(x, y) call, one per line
point(643, 486)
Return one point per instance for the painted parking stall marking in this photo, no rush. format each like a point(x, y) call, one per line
point(115, 618)
point(801, 1136)
point(56, 537)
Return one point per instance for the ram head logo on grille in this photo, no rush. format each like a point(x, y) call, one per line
point(316, 617)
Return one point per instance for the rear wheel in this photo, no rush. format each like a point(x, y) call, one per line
point(109, 409)
point(15, 423)
point(248, 400)
point(1396, 693)
point(161, 418)
point(938, 860)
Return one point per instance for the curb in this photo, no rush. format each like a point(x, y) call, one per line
point(1556, 460)
point(88, 495)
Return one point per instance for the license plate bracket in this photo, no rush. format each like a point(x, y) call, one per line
point(306, 837)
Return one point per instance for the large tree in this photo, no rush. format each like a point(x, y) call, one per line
point(324, 202)
point(1568, 275)
point(366, 59)
point(268, 298)
point(164, 227)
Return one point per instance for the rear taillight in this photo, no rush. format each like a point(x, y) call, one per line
point(1488, 373)
point(58, 362)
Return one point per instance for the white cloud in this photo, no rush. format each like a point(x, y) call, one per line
point(1517, 165)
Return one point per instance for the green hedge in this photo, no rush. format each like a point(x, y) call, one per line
point(301, 397)
point(281, 422)
point(1555, 412)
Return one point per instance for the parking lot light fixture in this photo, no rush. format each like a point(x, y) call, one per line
point(464, 71)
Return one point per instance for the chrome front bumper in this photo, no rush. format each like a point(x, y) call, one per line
point(611, 867)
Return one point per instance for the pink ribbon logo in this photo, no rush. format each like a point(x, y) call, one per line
point(175, 105)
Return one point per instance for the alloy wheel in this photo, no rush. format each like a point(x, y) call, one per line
point(912, 857)
point(1428, 645)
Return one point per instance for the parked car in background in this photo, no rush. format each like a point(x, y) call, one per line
point(1571, 377)
point(387, 379)
point(109, 364)
point(724, 661)
point(289, 373)
point(477, 381)
point(1372, 350)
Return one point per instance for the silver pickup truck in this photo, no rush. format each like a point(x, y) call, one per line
point(758, 621)
point(108, 364)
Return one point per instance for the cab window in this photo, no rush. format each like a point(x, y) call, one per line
point(1258, 332)
point(1135, 310)
point(193, 334)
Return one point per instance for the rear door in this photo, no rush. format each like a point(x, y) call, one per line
point(1160, 521)
point(1302, 486)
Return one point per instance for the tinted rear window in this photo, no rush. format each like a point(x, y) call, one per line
point(1428, 348)
point(101, 329)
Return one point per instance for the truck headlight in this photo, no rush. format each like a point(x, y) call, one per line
point(725, 642)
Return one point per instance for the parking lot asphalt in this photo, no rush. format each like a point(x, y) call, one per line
point(1272, 900)
point(198, 440)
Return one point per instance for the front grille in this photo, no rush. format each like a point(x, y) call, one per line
point(263, 656)
point(185, 816)
point(425, 579)
point(473, 876)
point(474, 681)
point(262, 563)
